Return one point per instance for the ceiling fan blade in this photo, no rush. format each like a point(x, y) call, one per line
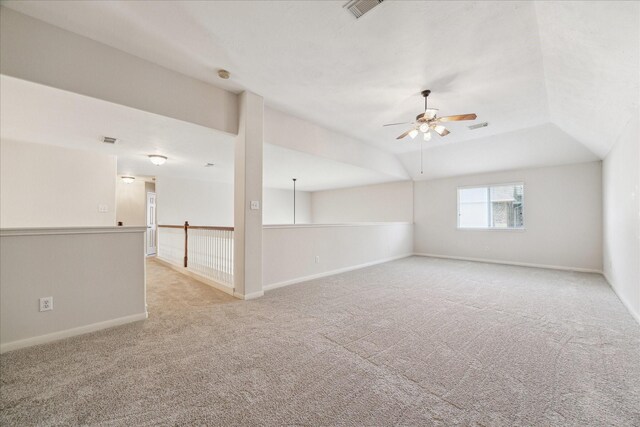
point(457, 118)
point(394, 124)
point(440, 130)
point(404, 134)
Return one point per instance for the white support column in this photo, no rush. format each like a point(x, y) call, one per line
point(247, 269)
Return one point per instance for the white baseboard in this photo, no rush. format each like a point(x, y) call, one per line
point(252, 295)
point(520, 264)
point(80, 330)
point(330, 273)
point(180, 269)
point(624, 301)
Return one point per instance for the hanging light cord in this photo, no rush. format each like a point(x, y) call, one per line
point(421, 168)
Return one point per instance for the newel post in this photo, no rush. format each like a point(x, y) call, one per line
point(186, 243)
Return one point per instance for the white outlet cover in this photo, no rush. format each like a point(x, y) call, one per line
point(255, 205)
point(103, 208)
point(46, 304)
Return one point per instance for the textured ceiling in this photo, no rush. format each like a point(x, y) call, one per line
point(591, 56)
point(31, 112)
point(518, 65)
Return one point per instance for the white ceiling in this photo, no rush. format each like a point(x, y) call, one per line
point(31, 112)
point(526, 148)
point(518, 65)
point(591, 59)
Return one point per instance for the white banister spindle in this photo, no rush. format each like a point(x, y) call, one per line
point(210, 250)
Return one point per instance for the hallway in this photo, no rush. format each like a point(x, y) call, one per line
point(410, 342)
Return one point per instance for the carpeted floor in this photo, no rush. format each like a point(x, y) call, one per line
point(418, 341)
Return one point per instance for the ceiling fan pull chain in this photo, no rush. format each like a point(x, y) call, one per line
point(421, 168)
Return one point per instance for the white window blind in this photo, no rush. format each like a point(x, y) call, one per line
point(496, 206)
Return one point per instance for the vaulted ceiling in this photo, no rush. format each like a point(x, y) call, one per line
point(31, 112)
point(557, 81)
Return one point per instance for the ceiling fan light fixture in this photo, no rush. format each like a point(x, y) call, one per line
point(427, 136)
point(157, 159)
point(429, 120)
point(430, 113)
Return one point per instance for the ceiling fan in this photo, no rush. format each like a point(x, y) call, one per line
point(429, 120)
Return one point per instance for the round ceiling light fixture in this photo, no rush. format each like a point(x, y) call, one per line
point(128, 179)
point(157, 159)
point(224, 74)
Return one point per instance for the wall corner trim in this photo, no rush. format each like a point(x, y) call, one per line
point(44, 231)
point(627, 305)
point(520, 264)
point(67, 333)
point(252, 295)
point(331, 272)
point(227, 289)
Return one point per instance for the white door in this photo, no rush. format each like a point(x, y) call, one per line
point(151, 224)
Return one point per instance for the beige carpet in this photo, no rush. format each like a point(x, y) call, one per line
point(417, 341)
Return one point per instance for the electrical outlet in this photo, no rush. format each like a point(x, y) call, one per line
point(255, 205)
point(103, 208)
point(317, 259)
point(46, 304)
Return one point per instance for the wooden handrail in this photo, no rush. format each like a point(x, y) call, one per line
point(205, 227)
point(198, 227)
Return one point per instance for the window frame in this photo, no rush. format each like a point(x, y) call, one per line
point(488, 188)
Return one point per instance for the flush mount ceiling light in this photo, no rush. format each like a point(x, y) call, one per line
point(224, 74)
point(157, 159)
point(128, 179)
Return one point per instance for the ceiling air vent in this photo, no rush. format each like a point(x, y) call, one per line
point(360, 7)
point(109, 140)
point(478, 126)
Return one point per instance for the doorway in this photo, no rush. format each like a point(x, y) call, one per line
point(151, 246)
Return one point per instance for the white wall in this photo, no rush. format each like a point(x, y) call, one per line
point(284, 130)
point(96, 277)
point(131, 203)
point(47, 186)
point(278, 206)
point(563, 218)
point(199, 202)
point(621, 197)
point(33, 50)
point(289, 252)
point(211, 203)
point(371, 203)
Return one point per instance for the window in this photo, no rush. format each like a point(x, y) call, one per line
point(493, 207)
